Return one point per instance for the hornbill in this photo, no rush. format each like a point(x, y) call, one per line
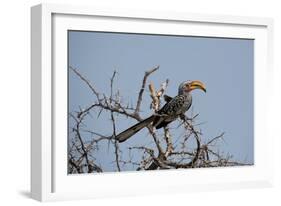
point(174, 108)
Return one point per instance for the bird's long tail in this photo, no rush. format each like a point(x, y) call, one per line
point(123, 136)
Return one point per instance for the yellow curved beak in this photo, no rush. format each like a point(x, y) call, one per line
point(197, 85)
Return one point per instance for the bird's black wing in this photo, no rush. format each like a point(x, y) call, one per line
point(167, 98)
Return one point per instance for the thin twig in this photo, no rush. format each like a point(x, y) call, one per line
point(86, 81)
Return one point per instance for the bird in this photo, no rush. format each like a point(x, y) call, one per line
point(174, 108)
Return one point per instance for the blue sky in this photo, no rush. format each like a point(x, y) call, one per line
point(224, 65)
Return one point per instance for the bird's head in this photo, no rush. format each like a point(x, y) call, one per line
point(188, 86)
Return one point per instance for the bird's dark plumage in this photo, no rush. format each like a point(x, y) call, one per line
point(172, 109)
point(168, 113)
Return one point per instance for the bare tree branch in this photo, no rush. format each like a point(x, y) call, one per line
point(147, 73)
point(164, 152)
point(113, 124)
point(86, 81)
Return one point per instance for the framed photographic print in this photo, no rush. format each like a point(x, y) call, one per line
point(121, 99)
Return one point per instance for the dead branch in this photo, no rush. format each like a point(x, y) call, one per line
point(156, 95)
point(165, 151)
point(147, 73)
point(169, 143)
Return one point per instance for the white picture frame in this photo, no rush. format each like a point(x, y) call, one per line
point(49, 179)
